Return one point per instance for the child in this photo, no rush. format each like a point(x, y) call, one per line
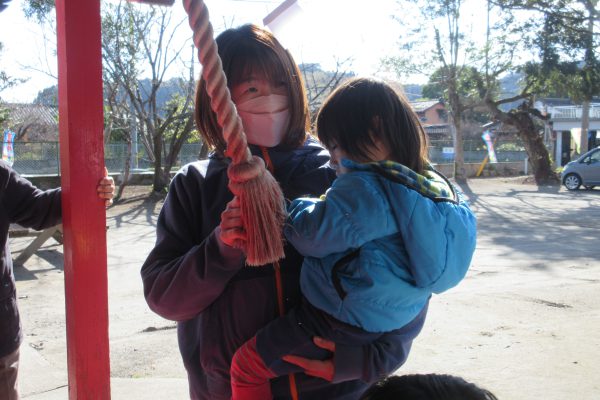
point(388, 233)
point(426, 387)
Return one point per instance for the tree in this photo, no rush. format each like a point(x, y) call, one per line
point(450, 56)
point(138, 41)
point(134, 40)
point(504, 38)
point(476, 80)
point(568, 45)
point(38, 9)
point(320, 83)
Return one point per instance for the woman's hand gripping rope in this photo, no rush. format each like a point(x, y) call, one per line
point(233, 233)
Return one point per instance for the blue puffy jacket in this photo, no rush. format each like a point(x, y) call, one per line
point(380, 242)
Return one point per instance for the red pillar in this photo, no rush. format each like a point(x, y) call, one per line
point(84, 218)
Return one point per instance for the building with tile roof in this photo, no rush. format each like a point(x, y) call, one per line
point(31, 122)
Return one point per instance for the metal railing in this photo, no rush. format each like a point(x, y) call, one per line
point(574, 112)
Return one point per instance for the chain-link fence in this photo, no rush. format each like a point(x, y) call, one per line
point(43, 158)
point(115, 155)
point(36, 158)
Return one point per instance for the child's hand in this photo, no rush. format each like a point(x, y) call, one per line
point(232, 231)
point(106, 188)
point(321, 369)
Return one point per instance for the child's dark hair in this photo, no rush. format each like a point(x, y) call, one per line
point(362, 107)
point(426, 387)
point(250, 49)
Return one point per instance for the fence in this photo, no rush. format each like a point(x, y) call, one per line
point(43, 158)
point(442, 151)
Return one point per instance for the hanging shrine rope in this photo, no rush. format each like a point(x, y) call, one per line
point(261, 200)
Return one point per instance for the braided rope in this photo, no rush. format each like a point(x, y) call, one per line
point(261, 199)
point(216, 82)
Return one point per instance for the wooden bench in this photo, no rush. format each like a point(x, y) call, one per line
point(41, 237)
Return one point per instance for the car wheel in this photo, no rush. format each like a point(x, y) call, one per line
point(589, 187)
point(572, 182)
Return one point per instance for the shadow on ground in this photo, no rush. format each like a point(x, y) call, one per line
point(129, 210)
point(544, 221)
point(53, 258)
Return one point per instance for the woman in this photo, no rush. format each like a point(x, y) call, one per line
point(196, 276)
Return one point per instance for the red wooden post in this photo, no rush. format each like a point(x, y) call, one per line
point(84, 217)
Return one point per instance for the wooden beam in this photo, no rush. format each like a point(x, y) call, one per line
point(36, 244)
point(278, 11)
point(84, 216)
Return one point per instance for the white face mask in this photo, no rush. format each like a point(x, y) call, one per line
point(265, 119)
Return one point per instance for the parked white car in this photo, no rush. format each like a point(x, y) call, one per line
point(583, 171)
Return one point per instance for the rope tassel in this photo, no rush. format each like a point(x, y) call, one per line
point(261, 199)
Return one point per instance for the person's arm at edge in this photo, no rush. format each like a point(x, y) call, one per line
point(29, 206)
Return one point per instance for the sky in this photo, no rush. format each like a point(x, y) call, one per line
point(319, 31)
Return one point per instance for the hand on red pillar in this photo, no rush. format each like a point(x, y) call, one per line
point(106, 188)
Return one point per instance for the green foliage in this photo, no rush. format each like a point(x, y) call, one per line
point(435, 88)
point(466, 83)
point(180, 110)
point(510, 146)
point(38, 9)
point(567, 46)
point(4, 115)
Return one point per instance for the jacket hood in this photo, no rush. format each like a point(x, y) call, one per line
point(435, 222)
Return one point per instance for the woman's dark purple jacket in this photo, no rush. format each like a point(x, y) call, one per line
point(192, 278)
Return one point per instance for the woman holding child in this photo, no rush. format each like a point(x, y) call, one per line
point(197, 276)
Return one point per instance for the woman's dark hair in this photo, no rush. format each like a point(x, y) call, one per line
point(247, 50)
point(363, 108)
point(426, 387)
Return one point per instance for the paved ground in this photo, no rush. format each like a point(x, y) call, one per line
point(524, 323)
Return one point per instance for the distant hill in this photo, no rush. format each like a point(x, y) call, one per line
point(49, 96)
point(413, 92)
point(510, 86)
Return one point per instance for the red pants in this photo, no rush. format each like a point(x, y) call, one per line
point(9, 369)
point(249, 374)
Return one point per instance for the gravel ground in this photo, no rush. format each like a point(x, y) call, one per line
point(524, 323)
